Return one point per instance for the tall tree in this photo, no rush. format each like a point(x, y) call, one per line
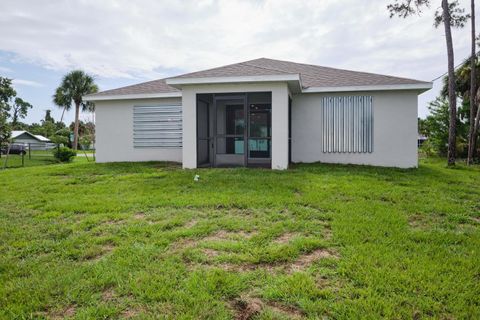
point(73, 87)
point(472, 137)
point(7, 93)
point(463, 81)
point(19, 111)
point(451, 16)
point(48, 116)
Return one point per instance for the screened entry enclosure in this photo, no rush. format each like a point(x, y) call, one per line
point(234, 129)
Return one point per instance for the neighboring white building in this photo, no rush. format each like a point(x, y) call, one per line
point(35, 142)
point(262, 112)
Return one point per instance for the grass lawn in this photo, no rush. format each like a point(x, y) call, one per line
point(87, 240)
point(38, 158)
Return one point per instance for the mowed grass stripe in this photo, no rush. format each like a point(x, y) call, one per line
point(140, 240)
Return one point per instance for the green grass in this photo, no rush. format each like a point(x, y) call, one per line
point(37, 158)
point(134, 240)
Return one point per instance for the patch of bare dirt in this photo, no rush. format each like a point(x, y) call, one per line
point(323, 282)
point(142, 217)
point(417, 315)
point(139, 215)
point(106, 249)
point(108, 295)
point(183, 243)
point(475, 219)
point(289, 311)
point(300, 264)
point(191, 223)
point(129, 313)
point(327, 232)
point(68, 312)
point(416, 221)
point(210, 253)
point(285, 238)
point(246, 308)
point(228, 235)
point(297, 193)
point(246, 267)
point(306, 260)
point(113, 222)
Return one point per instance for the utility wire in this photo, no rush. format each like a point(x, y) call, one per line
point(458, 65)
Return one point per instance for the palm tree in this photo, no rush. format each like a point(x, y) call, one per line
point(73, 87)
point(463, 87)
point(463, 79)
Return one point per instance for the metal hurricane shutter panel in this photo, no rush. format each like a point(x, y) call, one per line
point(347, 124)
point(157, 126)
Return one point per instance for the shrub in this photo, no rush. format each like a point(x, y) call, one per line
point(428, 149)
point(57, 139)
point(64, 154)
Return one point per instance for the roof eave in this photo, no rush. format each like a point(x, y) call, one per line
point(293, 80)
point(93, 97)
point(419, 87)
point(27, 133)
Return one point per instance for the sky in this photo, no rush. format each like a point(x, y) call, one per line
point(126, 42)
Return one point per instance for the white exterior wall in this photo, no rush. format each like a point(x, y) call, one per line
point(279, 118)
point(280, 128)
point(394, 131)
point(27, 140)
point(114, 132)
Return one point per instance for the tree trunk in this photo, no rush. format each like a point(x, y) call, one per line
point(452, 137)
point(63, 112)
point(14, 119)
point(473, 90)
point(75, 130)
point(477, 121)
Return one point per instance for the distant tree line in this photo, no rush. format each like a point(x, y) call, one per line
point(13, 109)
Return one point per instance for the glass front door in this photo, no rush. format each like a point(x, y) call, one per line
point(242, 132)
point(260, 131)
point(230, 131)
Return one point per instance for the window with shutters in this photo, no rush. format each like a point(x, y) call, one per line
point(157, 126)
point(347, 124)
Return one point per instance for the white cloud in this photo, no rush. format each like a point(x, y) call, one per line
point(30, 83)
point(153, 39)
point(5, 70)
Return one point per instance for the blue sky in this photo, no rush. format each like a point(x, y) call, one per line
point(123, 42)
point(36, 84)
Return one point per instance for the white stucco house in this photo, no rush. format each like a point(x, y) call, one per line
point(262, 112)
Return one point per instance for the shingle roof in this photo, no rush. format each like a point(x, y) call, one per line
point(155, 86)
point(247, 68)
point(311, 76)
point(318, 76)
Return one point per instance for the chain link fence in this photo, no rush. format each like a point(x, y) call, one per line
point(15, 155)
